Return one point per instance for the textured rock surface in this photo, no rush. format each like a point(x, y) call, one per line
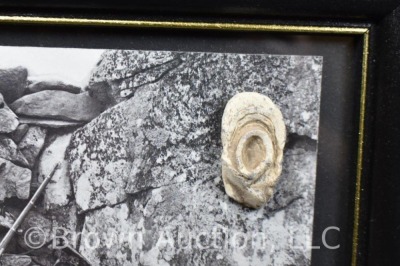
point(293, 82)
point(19, 133)
point(155, 227)
point(116, 77)
point(13, 83)
point(35, 220)
point(58, 191)
point(6, 220)
point(32, 143)
point(170, 129)
point(58, 105)
point(15, 181)
point(15, 260)
point(64, 223)
point(151, 165)
point(56, 85)
point(9, 121)
point(99, 172)
point(10, 151)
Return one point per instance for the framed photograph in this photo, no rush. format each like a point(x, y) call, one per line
point(149, 140)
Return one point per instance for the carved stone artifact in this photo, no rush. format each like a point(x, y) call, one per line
point(253, 137)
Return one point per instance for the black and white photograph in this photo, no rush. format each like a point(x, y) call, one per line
point(134, 157)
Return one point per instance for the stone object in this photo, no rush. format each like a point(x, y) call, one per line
point(253, 137)
point(15, 181)
point(19, 133)
point(58, 191)
point(13, 83)
point(58, 105)
point(32, 143)
point(8, 120)
point(56, 85)
point(9, 151)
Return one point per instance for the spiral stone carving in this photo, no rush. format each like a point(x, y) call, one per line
point(253, 137)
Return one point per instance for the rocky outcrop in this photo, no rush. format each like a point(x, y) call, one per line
point(9, 151)
point(58, 105)
point(115, 78)
point(170, 129)
point(58, 191)
point(32, 143)
point(56, 85)
point(9, 121)
point(99, 163)
point(13, 83)
point(195, 223)
point(15, 181)
point(293, 82)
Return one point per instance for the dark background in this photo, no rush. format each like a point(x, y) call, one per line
point(380, 216)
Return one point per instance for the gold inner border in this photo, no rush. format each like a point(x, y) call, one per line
point(242, 27)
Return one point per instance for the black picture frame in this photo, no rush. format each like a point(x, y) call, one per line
point(379, 219)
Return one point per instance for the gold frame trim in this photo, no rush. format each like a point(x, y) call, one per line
point(364, 31)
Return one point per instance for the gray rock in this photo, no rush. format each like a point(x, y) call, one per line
point(49, 123)
point(32, 143)
point(7, 220)
point(58, 105)
point(99, 163)
point(36, 230)
point(9, 151)
point(20, 132)
point(15, 260)
point(158, 225)
point(15, 181)
point(150, 165)
point(13, 83)
point(57, 85)
point(9, 121)
point(167, 131)
point(64, 223)
point(115, 73)
point(58, 191)
point(293, 82)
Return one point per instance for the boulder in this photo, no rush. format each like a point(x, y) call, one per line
point(56, 85)
point(195, 223)
point(58, 105)
point(64, 223)
point(36, 231)
point(9, 121)
point(150, 165)
point(115, 73)
point(9, 151)
point(58, 191)
point(167, 131)
point(32, 143)
point(15, 181)
point(99, 163)
point(13, 82)
point(49, 123)
point(293, 82)
point(20, 132)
